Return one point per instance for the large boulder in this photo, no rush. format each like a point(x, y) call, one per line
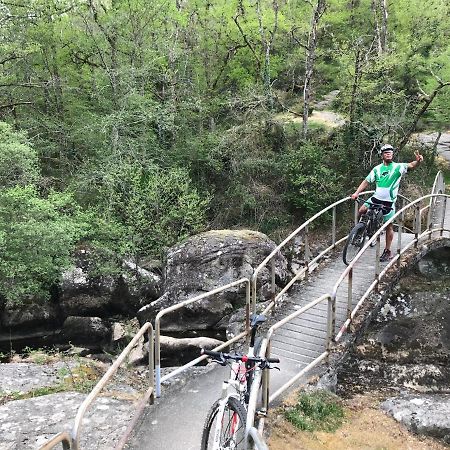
point(91, 332)
point(205, 262)
point(82, 294)
point(31, 312)
point(427, 414)
point(135, 287)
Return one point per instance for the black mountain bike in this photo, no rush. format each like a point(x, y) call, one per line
point(368, 225)
point(225, 424)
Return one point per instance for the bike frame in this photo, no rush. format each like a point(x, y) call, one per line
point(240, 388)
point(224, 400)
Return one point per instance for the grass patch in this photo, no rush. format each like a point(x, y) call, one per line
point(317, 411)
point(79, 379)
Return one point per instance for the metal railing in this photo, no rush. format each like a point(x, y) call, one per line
point(60, 438)
point(437, 193)
point(310, 263)
point(184, 303)
point(418, 235)
point(251, 298)
point(257, 440)
point(75, 434)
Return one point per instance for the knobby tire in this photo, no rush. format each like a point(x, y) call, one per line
point(351, 249)
point(234, 416)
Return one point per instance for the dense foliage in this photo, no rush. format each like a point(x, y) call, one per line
point(155, 119)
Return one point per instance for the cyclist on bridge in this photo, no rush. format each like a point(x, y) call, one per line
point(387, 176)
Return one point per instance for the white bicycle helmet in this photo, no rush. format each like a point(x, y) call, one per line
point(386, 148)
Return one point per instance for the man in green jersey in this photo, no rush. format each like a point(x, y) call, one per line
point(387, 176)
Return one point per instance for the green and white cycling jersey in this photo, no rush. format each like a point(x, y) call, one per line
point(387, 179)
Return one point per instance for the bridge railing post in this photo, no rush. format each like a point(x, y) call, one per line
point(349, 293)
point(330, 326)
point(333, 231)
point(307, 255)
point(443, 216)
point(418, 226)
point(399, 238)
point(272, 279)
point(377, 259)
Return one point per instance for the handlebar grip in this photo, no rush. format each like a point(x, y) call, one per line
point(215, 355)
point(273, 360)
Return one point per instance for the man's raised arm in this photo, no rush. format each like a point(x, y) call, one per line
point(413, 164)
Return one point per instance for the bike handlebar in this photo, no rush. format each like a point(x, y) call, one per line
point(222, 357)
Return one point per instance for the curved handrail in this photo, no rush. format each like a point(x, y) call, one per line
point(60, 438)
point(258, 442)
point(266, 344)
point(182, 304)
point(375, 237)
point(147, 327)
point(302, 227)
point(396, 258)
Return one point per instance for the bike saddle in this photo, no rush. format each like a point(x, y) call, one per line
point(257, 319)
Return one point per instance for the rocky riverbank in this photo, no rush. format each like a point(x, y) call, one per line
point(405, 353)
point(395, 384)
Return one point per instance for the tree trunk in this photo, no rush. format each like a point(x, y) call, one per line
point(428, 100)
point(380, 16)
point(267, 43)
point(356, 78)
point(310, 60)
point(384, 25)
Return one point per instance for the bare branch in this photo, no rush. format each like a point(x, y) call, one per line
point(297, 41)
point(439, 80)
point(24, 85)
point(244, 36)
point(10, 58)
point(230, 53)
point(286, 108)
point(13, 105)
point(425, 95)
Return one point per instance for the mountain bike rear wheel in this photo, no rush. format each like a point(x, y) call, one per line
point(232, 432)
point(354, 243)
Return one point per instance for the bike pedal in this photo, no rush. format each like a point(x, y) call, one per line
point(261, 413)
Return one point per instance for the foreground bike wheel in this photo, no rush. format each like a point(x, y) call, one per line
point(354, 243)
point(232, 433)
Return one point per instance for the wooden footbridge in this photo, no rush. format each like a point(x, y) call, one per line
point(309, 316)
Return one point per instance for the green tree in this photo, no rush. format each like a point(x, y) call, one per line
point(19, 164)
point(156, 207)
point(37, 237)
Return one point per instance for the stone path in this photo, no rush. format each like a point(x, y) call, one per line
point(443, 147)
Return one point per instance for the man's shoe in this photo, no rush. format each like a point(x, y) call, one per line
point(386, 256)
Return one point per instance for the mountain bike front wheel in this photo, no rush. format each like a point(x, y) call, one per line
point(232, 428)
point(354, 243)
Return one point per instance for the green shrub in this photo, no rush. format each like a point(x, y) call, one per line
point(37, 237)
point(18, 160)
point(153, 208)
point(320, 411)
point(312, 178)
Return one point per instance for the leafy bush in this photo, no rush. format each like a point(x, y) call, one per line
point(320, 410)
point(37, 236)
point(156, 207)
point(18, 160)
point(312, 178)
